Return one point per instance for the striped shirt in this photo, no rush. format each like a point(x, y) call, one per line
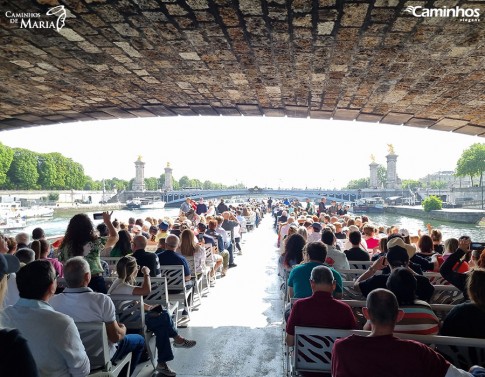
point(418, 319)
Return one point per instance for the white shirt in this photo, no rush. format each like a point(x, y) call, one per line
point(53, 338)
point(220, 230)
point(12, 295)
point(84, 305)
point(314, 237)
point(337, 259)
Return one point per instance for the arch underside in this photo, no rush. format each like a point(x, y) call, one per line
point(368, 61)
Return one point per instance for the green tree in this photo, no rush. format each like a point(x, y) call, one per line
point(381, 175)
point(6, 158)
point(184, 181)
point(23, 174)
point(53, 196)
point(432, 203)
point(207, 185)
point(358, 183)
point(472, 162)
point(47, 171)
point(437, 185)
point(411, 184)
point(151, 184)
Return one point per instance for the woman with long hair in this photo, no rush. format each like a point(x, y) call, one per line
point(293, 251)
point(160, 322)
point(123, 245)
point(189, 248)
point(82, 240)
point(41, 249)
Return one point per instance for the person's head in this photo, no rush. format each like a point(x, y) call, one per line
point(316, 251)
point(383, 245)
point(397, 240)
point(368, 230)
point(212, 224)
point(127, 268)
point(37, 280)
point(451, 244)
point(171, 242)
point(8, 264)
point(403, 284)
point(317, 227)
point(79, 232)
point(303, 232)
point(436, 236)
point(397, 256)
point(25, 255)
point(294, 245)
point(139, 222)
point(22, 238)
point(77, 272)
point(102, 229)
point(476, 287)
point(124, 241)
point(382, 309)
point(322, 280)
point(163, 226)
point(328, 238)
point(139, 242)
point(116, 224)
point(41, 248)
point(38, 233)
point(131, 221)
point(187, 243)
point(11, 245)
point(425, 244)
point(355, 238)
point(161, 243)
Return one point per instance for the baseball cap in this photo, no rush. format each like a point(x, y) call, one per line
point(163, 225)
point(317, 226)
point(8, 264)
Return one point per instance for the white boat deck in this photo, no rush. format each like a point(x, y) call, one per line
point(238, 327)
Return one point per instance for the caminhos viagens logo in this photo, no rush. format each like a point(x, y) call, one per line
point(464, 14)
point(37, 20)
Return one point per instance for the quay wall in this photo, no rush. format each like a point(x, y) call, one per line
point(465, 216)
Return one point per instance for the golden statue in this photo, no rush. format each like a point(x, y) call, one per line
point(168, 164)
point(390, 148)
point(139, 157)
point(372, 158)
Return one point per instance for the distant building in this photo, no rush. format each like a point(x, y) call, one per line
point(448, 178)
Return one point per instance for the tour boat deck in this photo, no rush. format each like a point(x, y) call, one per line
point(238, 327)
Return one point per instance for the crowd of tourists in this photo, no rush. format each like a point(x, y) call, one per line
point(317, 242)
point(38, 335)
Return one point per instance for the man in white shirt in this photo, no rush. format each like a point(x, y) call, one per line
point(53, 337)
point(83, 305)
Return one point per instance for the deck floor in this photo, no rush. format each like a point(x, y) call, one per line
point(238, 326)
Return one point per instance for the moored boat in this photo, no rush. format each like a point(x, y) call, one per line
point(366, 205)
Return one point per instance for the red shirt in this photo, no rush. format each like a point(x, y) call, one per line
point(320, 310)
point(385, 356)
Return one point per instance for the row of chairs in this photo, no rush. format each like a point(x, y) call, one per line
point(313, 349)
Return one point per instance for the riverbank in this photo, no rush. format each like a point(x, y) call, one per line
point(68, 209)
point(457, 215)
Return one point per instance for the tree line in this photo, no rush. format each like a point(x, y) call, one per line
point(23, 169)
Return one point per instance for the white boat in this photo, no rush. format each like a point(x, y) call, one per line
point(16, 223)
point(36, 212)
point(145, 203)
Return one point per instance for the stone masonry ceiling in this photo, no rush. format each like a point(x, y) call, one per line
point(366, 60)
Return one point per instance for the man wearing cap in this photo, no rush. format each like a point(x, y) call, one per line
point(316, 235)
point(163, 228)
point(397, 256)
point(320, 309)
point(381, 353)
point(52, 336)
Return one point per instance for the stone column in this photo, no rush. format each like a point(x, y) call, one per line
point(139, 182)
point(373, 183)
point(391, 171)
point(168, 178)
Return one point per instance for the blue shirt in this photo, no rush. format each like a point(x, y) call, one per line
point(299, 279)
point(171, 258)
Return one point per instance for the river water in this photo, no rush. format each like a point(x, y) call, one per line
point(57, 225)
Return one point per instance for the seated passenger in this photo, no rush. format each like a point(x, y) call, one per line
point(468, 320)
point(52, 337)
point(159, 322)
point(321, 309)
point(418, 316)
point(397, 256)
point(83, 305)
point(335, 258)
point(381, 353)
point(356, 253)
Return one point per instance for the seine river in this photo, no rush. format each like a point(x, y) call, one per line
point(57, 225)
